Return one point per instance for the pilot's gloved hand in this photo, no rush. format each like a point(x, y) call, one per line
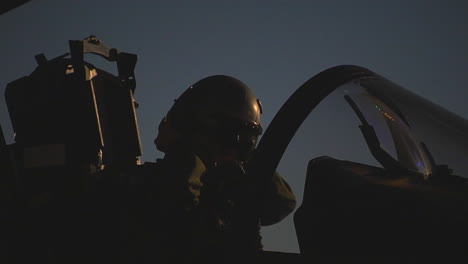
point(225, 189)
point(225, 178)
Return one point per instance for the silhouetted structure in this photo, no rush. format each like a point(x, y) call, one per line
point(72, 119)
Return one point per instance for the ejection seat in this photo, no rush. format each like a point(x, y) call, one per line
point(352, 211)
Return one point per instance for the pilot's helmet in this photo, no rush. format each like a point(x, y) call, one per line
point(217, 113)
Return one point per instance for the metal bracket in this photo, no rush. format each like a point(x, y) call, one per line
point(126, 62)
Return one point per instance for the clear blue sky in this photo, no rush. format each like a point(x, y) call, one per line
point(273, 46)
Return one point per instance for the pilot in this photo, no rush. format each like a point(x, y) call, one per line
point(203, 193)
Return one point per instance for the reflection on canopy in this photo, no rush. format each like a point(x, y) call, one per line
point(392, 130)
point(444, 133)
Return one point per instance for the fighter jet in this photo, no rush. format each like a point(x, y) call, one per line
point(407, 200)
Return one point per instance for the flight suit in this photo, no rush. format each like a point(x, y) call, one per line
point(174, 211)
point(193, 211)
point(231, 212)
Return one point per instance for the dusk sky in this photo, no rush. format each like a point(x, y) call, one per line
point(272, 46)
